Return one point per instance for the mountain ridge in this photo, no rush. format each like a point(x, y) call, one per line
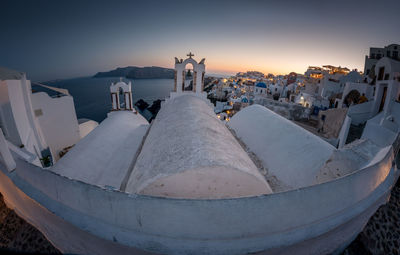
point(134, 72)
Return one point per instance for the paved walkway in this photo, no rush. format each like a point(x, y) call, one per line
point(16, 235)
point(382, 233)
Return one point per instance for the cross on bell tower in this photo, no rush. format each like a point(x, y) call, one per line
point(190, 55)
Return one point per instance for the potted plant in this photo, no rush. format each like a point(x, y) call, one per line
point(46, 161)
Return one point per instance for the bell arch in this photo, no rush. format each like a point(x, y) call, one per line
point(189, 78)
point(198, 74)
point(115, 90)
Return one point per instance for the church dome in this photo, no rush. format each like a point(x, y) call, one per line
point(261, 85)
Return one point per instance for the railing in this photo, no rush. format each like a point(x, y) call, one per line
point(59, 91)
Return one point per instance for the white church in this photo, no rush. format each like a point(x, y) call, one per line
point(187, 183)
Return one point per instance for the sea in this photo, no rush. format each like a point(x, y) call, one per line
point(92, 95)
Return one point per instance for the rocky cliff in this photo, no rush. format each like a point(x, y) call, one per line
point(133, 72)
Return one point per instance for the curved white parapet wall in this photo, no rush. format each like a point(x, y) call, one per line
point(189, 153)
point(314, 215)
point(290, 153)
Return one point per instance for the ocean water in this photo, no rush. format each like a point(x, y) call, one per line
point(92, 95)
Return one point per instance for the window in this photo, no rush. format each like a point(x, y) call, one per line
point(38, 112)
point(381, 73)
point(395, 54)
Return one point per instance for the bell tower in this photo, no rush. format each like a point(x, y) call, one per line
point(198, 74)
point(115, 90)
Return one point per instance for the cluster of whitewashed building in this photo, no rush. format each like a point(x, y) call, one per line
point(188, 183)
point(320, 88)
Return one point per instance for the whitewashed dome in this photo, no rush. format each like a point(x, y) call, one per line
point(189, 153)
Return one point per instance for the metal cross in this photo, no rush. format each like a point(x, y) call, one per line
point(190, 55)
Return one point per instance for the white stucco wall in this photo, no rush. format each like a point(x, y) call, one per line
point(360, 113)
point(58, 121)
point(344, 131)
point(7, 122)
point(289, 152)
point(362, 88)
point(330, 88)
point(29, 130)
point(5, 154)
point(390, 66)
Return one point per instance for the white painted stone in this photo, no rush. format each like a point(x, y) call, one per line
point(189, 153)
point(57, 120)
point(86, 126)
point(5, 154)
point(104, 156)
point(289, 152)
point(18, 116)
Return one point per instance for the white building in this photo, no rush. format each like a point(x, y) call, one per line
point(260, 88)
point(304, 99)
point(390, 51)
point(41, 124)
point(387, 70)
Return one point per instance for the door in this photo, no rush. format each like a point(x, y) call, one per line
point(383, 99)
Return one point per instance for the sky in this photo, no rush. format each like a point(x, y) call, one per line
point(65, 39)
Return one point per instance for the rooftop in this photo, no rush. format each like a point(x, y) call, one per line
point(189, 153)
point(104, 156)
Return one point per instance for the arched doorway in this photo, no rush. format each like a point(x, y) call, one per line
point(352, 98)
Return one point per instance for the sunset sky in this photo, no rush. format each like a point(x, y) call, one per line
point(62, 39)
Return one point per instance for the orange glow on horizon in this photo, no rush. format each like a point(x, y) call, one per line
point(268, 59)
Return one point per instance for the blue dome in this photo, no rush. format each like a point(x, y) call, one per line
point(261, 85)
point(245, 100)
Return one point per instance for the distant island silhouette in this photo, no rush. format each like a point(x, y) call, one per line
point(134, 72)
